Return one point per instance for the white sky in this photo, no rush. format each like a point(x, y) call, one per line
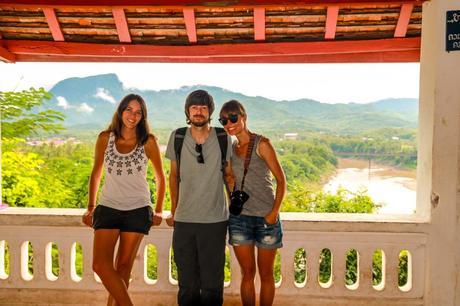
point(327, 83)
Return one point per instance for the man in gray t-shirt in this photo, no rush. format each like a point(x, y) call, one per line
point(198, 205)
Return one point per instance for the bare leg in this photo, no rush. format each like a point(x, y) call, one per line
point(103, 248)
point(246, 259)
point(127, 250)
point(265, 263)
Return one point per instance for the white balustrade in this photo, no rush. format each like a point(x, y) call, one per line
point(297, 235)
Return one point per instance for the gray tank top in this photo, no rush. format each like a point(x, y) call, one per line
point(125, 185)
point(258, 182)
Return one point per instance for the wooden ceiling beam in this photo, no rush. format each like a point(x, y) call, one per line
point(260, 52)
point(366, 57)
point(195, 3)
point(259, 23)
point(331, 22)
point(190, 24)
point(122, 25)
point(403, 20)
point(6, 56)
point(53, 24)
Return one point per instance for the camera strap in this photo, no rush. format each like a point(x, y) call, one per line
point(247, 160)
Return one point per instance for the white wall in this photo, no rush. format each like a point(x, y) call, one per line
point(438, 170)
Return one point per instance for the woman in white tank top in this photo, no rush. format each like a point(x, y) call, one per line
point(124, 212)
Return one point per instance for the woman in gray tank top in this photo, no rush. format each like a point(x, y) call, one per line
point(258, 225)
point(124, 213)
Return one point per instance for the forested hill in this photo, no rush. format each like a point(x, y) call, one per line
point(89, 103)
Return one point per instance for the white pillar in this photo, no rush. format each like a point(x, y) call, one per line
point(438, 168)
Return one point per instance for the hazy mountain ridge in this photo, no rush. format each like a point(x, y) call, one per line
point(91, 101)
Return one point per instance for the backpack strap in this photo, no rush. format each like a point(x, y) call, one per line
point(179, 137)
point(222, 137)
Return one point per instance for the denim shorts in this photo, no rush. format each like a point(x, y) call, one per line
point(137, 220)
point(247, 230)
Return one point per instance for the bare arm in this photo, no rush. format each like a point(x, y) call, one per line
point(152, 151)
point(228, 176)
point(95, 178)
point(173, 191)
point(268, 154)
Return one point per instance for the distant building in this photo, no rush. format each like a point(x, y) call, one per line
point(290, 136)
point(394, 138)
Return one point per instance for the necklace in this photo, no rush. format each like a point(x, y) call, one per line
point(239, 145)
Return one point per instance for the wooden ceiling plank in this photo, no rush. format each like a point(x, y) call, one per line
point(196, 3)
point(122, 25)
point(331, 22)
point(403, 20)
point(259, 23)
point(53, 24)
point(190, 24)
point(6, 56)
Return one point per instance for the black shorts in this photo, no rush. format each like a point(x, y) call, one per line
point(137, 220)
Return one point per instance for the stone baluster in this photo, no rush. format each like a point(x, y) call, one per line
point(391, 270)
point(235, 273)
point(15, 276)
point(313, 253)
point(365, 255)
point(338, 268)
point(3, 274)
point(287, 268)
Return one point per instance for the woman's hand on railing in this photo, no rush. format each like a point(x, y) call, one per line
point(170, 220)
point(87, 217)
point(157, 218)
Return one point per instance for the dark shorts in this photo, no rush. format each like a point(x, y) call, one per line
point(136, 220)
point(246, 230)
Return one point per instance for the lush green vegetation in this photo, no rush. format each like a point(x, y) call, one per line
point(393, 146)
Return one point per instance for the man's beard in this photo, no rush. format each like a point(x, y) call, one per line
point(199, 123)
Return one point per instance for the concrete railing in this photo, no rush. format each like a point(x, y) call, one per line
point(313, 233)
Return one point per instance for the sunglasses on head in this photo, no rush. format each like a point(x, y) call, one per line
point(199, 150)
point(233, 118)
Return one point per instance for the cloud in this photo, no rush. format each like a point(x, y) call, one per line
point(62, 102)
point(104, 94)
point(85, 108)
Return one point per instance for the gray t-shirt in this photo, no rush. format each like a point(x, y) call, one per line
point(201, 189)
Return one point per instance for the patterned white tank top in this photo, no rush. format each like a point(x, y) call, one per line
point(125, 186)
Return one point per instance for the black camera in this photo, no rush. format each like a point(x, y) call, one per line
point(237, 200)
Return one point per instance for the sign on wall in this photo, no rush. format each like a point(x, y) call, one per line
point(453, 31)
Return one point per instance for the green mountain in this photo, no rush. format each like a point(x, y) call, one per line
point(90, 102)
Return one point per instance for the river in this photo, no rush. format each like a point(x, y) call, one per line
point(392, 188)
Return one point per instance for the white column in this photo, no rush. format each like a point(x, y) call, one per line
point(438, 159)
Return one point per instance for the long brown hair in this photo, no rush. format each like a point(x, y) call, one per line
point(142, 128)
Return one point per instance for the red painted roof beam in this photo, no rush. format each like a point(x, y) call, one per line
point(190, 25)
point(53, 24)
point(197, 3)
point(259, 23)
point(6, 56)
point(122, 25)
point(403, 20)
point(331, 21)
point(218, 51)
